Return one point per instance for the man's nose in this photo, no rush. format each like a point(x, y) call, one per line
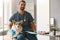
point(22, 6)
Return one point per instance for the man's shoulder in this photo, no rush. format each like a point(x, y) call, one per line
point(28, 13)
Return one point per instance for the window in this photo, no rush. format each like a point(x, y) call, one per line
point(1, 14)
point(7, 12)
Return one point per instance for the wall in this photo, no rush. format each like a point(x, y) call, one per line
point(43, 18)
point(55, 12)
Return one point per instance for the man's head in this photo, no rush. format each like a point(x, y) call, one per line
point(22, 5)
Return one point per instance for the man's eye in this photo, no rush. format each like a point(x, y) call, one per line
point(22, 5)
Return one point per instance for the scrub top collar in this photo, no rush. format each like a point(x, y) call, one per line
point(23, 13)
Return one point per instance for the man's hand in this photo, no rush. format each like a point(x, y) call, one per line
point(10, 25)
point(33, 26)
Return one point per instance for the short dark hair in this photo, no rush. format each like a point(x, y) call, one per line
point(22, 1)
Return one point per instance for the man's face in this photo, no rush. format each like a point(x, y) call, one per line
point(22, 5)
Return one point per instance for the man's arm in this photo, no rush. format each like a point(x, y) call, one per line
point(33, 26)
point(10, 25)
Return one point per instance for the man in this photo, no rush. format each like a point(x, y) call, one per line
point(28, 24)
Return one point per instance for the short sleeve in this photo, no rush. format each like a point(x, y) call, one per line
point(11, 18)
point(30, 19)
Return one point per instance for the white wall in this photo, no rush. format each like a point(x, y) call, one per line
point(43, 18)
point(55, 12)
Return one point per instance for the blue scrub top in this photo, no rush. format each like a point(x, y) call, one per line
point(26, 17)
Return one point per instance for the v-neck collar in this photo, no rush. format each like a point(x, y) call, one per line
point(20, 14)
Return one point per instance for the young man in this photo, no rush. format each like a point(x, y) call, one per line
point(28, 24)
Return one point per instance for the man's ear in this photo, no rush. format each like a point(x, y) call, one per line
point(13, 21)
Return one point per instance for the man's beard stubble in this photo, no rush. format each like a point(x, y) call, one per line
point(22, 8)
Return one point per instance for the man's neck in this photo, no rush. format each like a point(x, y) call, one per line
point(21, 12)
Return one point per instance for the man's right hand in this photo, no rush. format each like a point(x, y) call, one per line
point(10, 25)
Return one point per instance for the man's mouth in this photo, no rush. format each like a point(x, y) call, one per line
point(22, 8)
